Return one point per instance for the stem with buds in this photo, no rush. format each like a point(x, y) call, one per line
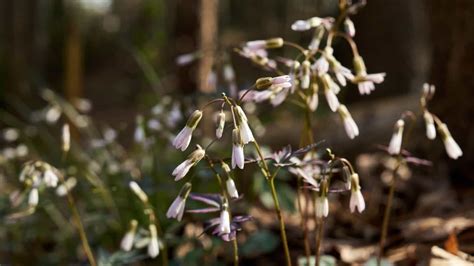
point(225, 195)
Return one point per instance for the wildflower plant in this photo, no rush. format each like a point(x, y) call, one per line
point(314, 71)
point(310, 75)
point(433, 126)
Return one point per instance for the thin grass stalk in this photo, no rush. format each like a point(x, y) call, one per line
point(386, 216)
point(271, 182)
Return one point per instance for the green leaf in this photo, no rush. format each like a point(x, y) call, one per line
point(287, 196)
point(260, 243)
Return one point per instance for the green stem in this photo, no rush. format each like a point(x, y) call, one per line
point(319, 240)
point(77, 219)
point(304, 220)
point(236, 252)
point(306, 139)
point(271, 182)
point(80, 227)
point(280, 219)
point(386, 216)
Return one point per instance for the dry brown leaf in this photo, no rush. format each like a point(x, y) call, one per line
point(451, 244)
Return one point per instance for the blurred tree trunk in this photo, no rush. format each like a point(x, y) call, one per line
point(208, 43)
point(452, 39)
point(73, 78)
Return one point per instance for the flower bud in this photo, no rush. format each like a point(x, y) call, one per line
point(139, 135)
point(220, 124)
point(194, 119)
point(33, 197)
point(263, 83)
point(349, 124)
point(331, 97)
point(313, 99)
point(305, 75)
point(357, 200)
point(452, 148)
point(322, 206)
point(430, 126)
point(127, 241)
point(226, 168)
point(65, 187)
point(237, 149)
point(66, 138)
point(183, 139)
point(428, 90)
point(176, 209)
point(153, 245)
point(300, 25)
point(183, 168)
point(315, 22)
point(349, 27)
point(274, 43)
point(317, 37)
point(224, 223)
point(279, 81)
point(138, 191)
point(396, 141)
point(231, 188)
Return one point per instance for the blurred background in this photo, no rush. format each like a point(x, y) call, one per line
point(113, 60)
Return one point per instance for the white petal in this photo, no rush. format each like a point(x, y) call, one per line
point(255, 45)
point(300, 25)
point(182, 169)
point(357, 201)
point(153, 248)
point(183, 139)
point(33, 197)
point(176, 209)
point(50, 178)
point(325, 207)
point(305, 80)
point(321, 65)
point(332, 100)
point(351, 127)
point(281, 80)
point(231, 189)
point(237, 156)
point(395, 143)
point(246, 133)
point(376, 78)
point(452, 148)
point(127, 241)
point(313, 102)
point(322, 207)
point(224, 223)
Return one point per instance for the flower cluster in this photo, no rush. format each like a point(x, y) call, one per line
point(37, 175)
point(321, 177)
point(225, 227)
point(315, 71)
point(147, 238)
point(432, 122)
